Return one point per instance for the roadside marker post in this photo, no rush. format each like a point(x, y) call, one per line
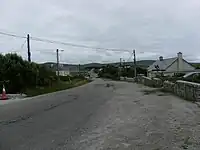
point(4, 96)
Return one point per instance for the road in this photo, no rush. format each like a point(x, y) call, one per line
point(101, 115)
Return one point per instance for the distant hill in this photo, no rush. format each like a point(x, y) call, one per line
point(196, 65)
point(145, 62)
point(141, 63)
point(90, 65)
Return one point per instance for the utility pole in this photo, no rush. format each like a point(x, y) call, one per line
point(119, 68)
point(57, 55)
point(79, 66)
point(135, 65)
point(120, 65)
point(124, 64)
point(28, 46)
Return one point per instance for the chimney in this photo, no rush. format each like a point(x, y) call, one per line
point(161, 58)
point(180, 55)
point(180, 61)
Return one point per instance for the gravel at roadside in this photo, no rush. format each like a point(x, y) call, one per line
point(134, 120)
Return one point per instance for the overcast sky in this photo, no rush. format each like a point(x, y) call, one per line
point(152, 27)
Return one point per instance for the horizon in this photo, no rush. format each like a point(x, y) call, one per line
point(100, 31)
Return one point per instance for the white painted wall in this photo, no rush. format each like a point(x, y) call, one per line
point(181, 66)
point(187, 67)
point(63, 73)
point(168, 73)
point(180, 62)
point(173, 67)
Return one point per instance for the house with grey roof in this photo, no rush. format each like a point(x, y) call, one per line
point(68, 70)
point(170, 66)
point(64, 69)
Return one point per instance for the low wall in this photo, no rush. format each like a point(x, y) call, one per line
point(168, 86)
point(152, 82)
point(187, 90)
point(127, 79)
point(184, 89)
point(147, 81)
point(158, 82)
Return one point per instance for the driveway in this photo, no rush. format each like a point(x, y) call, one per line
point(101, 115)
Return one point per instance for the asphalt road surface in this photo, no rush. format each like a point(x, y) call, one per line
point(101, 115)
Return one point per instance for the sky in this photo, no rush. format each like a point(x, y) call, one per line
point(153, 27)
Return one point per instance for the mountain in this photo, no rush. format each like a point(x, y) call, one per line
point(91, 65)
point(141, 63)
point(196, 65)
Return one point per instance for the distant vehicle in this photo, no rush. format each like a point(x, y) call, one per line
point(191, 75)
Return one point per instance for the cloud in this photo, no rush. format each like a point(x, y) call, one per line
point(153, 28)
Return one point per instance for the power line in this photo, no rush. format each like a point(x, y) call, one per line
point(66, 43)
point(22, 46)
point(130, 57)
point(13, 35)
point(77, 45)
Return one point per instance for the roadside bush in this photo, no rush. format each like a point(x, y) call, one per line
point(78, 77)
point(18, 74)
point(75, 77)
point(64, 78)
point(129, 72)
point(112, 72)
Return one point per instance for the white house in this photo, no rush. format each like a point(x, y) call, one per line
point(63, 73)
point(170, 66)
point(65, 70)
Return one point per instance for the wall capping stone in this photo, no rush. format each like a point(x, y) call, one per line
point(184, 89)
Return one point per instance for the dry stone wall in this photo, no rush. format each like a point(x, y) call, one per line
point(184, 89)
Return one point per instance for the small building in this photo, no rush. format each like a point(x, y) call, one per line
point(65, 70)
point(170, 66)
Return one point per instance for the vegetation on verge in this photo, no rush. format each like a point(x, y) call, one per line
point(21, 76)
point(110, 72)
point(56, 87)
point(114, 73)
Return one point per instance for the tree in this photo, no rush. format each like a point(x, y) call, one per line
point(109, 71)
point(22, 74)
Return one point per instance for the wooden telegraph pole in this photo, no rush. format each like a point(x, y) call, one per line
point(135, 65)
point(28, 47)
point(57, 56)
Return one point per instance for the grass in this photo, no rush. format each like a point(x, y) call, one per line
point(55, 87)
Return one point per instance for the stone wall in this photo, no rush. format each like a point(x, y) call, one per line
point(184, 89)
point(168, 86)
point(127, 79)
point(152, 82)
point(187, 90)
point(157, 82)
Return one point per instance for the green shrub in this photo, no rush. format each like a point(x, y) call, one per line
point(18, 74)
point(64, 78)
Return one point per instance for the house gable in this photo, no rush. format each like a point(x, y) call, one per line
point(163, 65)
point(185, 66)
point(172, 67)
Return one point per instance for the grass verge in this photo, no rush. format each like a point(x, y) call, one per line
point(56, 87)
